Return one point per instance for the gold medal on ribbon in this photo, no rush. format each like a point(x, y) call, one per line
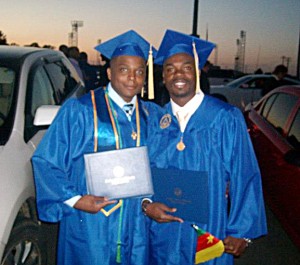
point(180, 146)
point(134, 135)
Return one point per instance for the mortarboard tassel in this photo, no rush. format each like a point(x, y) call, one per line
point(150, 75)
point(196, 67)
point(142, 92)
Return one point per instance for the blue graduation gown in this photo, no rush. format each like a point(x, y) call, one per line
point(58, 162)
point(216, 141)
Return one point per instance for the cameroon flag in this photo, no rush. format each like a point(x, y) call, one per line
point(208, 246)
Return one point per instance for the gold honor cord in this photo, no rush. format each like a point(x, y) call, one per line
point(118, 205)
point(114, 123)
point(138, 123)
point(95, 122)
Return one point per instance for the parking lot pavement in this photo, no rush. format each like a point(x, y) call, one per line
point(274, 249)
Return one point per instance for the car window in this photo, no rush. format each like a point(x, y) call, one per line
point(280, 110)
point(7, 83)
point(258, 83)
point(63, 79)
point(39, 92)
point(294, 134)
point(49, 83)
point(254, 83)
point(267, 106)
point(239, 81)
point(42, 91)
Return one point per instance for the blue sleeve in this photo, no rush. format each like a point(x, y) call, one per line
point(58, 162)
point(247, 211)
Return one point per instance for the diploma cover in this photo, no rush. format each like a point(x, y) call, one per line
point(119, 174)
point(183, 189)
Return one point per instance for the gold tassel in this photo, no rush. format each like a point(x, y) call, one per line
point(197, 68)
point(142, 92)
point(150, 75)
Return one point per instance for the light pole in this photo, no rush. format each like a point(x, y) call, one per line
point(298, 61)
point(195, 19)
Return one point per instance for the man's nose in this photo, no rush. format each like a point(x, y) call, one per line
point(131, 75)
point(178, 72)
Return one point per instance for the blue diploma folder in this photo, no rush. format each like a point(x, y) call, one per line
point(183, 189)
point(118, 174)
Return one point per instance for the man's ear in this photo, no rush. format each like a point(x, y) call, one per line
point(163, 78)
point(108, 71)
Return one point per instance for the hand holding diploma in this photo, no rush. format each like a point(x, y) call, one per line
point(159, 212)
point(92, 204)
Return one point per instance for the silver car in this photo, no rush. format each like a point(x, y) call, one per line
point(244, 90)
point(32, 83)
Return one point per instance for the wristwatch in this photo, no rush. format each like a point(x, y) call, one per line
point(145, 203)
point(248, 241)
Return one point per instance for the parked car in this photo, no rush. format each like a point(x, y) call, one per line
point(219, 76)
point(244, 90)
point(32, 81)
point(274, 127)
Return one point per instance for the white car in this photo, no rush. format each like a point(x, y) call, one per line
point(222, 76)
point(33, 82)
point(244, 90)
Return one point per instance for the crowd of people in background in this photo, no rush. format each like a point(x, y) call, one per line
point(277, 79)
point(93, 76)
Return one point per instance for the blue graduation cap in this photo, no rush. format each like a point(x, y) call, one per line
point(129, 43)
point(176, 42)
point(132, 44)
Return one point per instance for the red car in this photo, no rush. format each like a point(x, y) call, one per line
point(274, 127)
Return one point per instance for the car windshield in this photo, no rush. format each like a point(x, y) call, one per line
point(239, 81)
point(7, 85)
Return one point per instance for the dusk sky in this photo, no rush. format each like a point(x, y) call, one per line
point(271, 26)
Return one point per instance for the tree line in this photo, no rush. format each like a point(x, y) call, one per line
point(3, 41)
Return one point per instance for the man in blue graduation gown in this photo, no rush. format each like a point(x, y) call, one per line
point(211, 137)
point(93, 230)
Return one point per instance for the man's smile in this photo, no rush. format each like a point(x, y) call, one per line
point(179, 83)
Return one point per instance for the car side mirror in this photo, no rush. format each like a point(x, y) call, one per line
point(45, 115)
point(293, 157)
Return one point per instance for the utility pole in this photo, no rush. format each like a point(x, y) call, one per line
point(298, 61)
point(288, 59)
point(216, 55)
point(195, 19)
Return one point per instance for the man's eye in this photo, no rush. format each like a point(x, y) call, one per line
point(170, 70)
point(140, 72)
point(188, 68)
point(123, 70)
